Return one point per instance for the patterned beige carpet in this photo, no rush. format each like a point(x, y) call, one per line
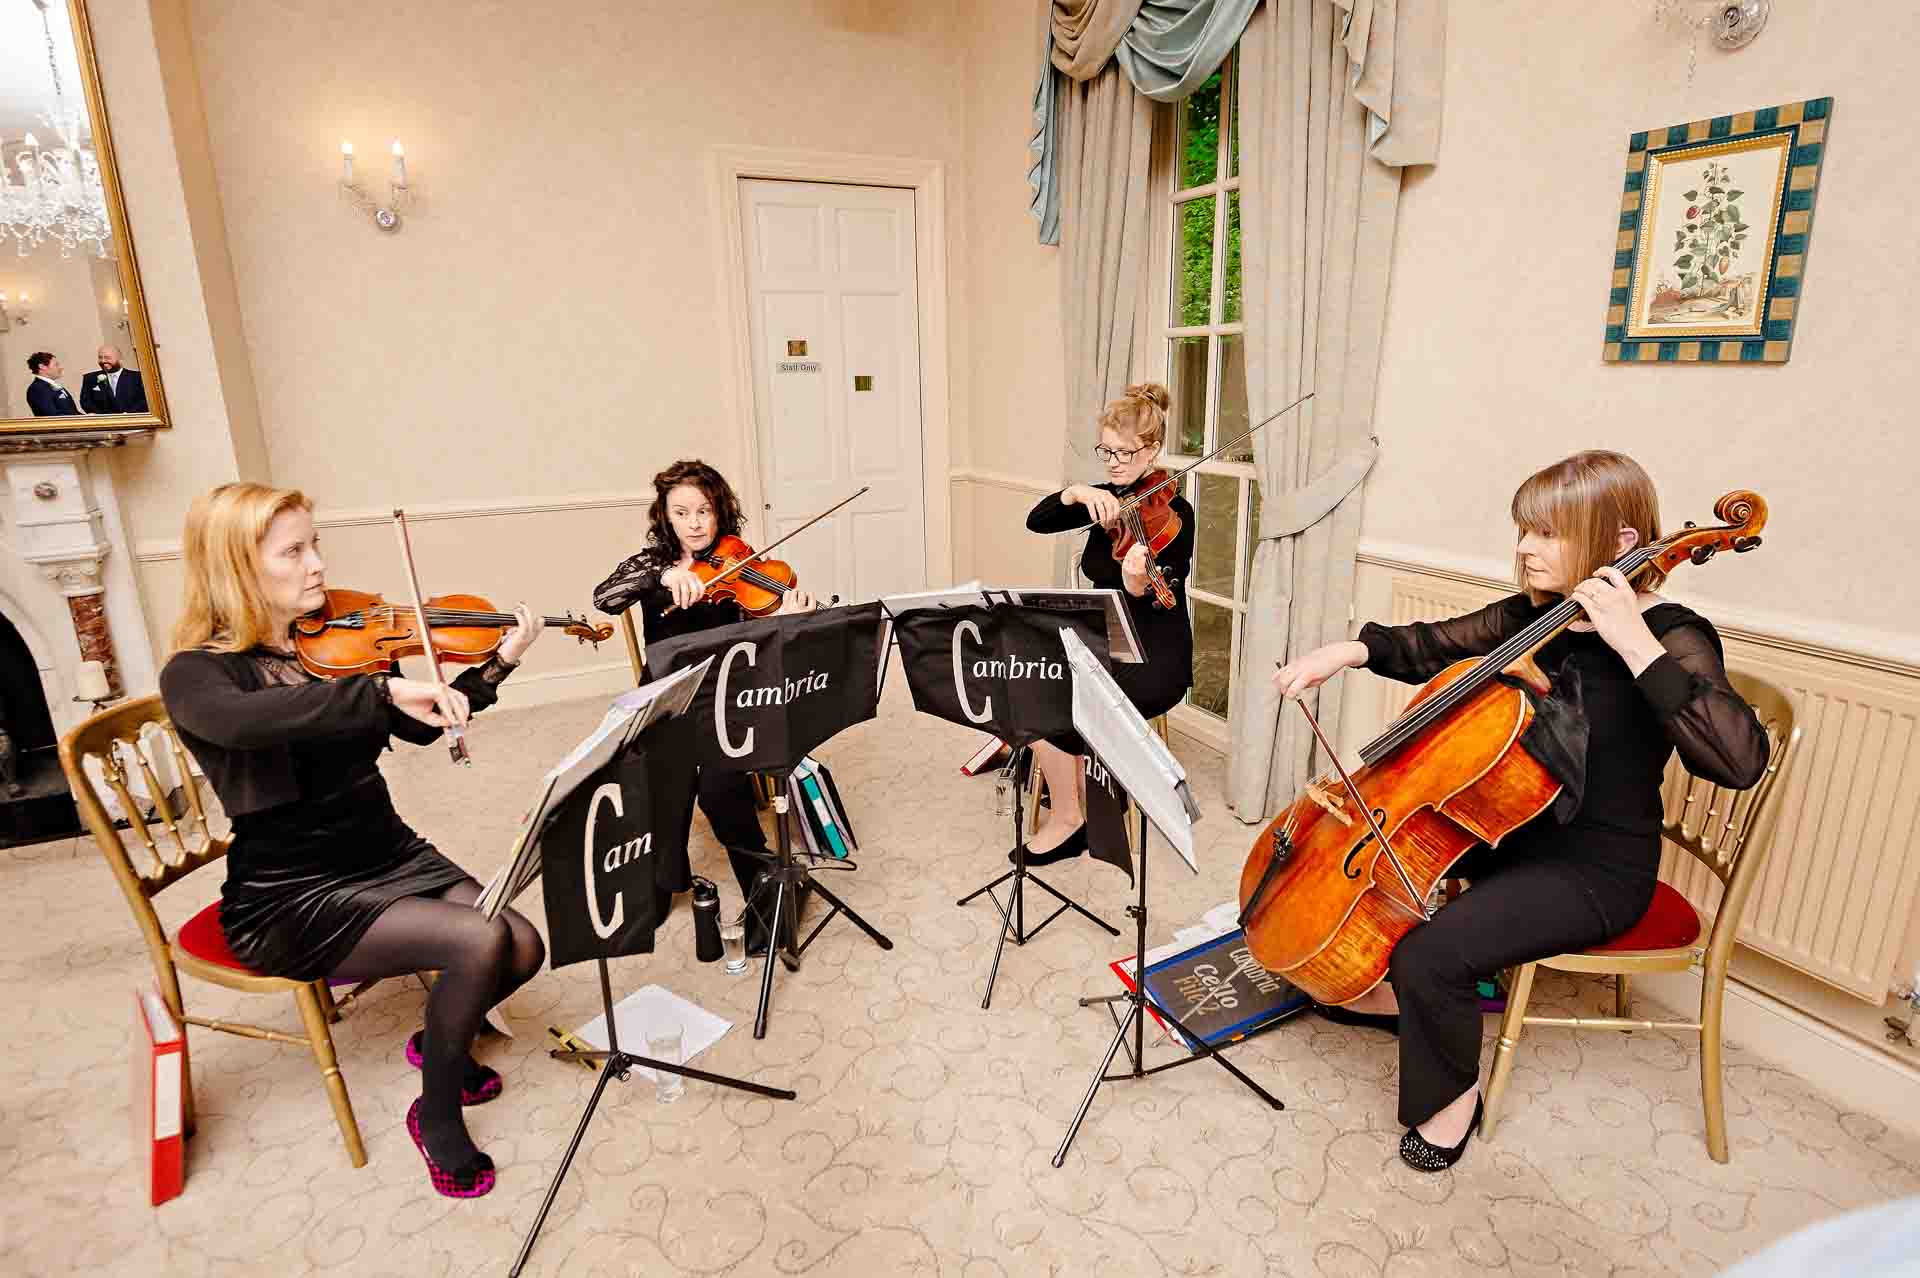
point(922, 1139)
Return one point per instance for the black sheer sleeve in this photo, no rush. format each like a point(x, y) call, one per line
point(1416, 652)
point(204, 695)
point(1711, 725)
point(1051, 515)
point(480, 683)
point(637, 576)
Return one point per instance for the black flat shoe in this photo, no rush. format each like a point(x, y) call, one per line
point(1074, 845)
point(1417, 1152)
point(1388, 1021)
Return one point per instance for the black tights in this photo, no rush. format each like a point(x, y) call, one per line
point(479, 962)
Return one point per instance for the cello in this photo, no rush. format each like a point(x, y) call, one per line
point(1335, 880)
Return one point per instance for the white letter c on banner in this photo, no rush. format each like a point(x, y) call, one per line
point(959, 676)
point(720, 702)
point(611, 793)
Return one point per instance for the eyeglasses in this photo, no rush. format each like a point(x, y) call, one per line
point(1120, 455)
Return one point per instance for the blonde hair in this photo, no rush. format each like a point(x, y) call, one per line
point(1141, 413)
point(1586, 500)
point(225, 609)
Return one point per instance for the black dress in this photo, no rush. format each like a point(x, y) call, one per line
point(318, 849)
point(1565, 880)
point(1157, 684)
point(726, 797)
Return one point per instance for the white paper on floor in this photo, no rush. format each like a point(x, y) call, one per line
point(649, 1008)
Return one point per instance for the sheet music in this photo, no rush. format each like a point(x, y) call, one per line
point(1114, 731)
point(1123, 641)
point(630, 714)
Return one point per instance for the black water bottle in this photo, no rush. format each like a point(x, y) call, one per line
point(706, 920)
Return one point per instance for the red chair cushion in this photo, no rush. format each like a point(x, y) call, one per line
point(202, 937)
point(1669, 923)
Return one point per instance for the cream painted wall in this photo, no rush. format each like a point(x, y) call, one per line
point(1492, 358)
point(549, 319)
point(63, 318)
point(1019, 388)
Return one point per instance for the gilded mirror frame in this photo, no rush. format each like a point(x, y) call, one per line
point(139, 323)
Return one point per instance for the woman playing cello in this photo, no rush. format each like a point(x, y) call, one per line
point(1646, 677)
point(1132, 430)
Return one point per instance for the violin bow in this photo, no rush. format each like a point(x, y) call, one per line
point(1177, 475)
point(456, 735)
point(749, 561)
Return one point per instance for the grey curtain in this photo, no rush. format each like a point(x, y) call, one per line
point(1106, 140)
point(1165, 48)
point(1335, 97)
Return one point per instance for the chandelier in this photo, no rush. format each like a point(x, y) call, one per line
point(58, 195)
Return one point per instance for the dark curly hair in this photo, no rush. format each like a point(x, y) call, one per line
point(662, 545)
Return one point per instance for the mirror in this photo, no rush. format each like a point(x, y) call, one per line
point(76, 350)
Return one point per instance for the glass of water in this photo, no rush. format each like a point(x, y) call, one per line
point(664, 1044)
point(733, 946)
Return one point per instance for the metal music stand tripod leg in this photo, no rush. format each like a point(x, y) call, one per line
point(788, 875)
point(1136, 1020)
point(617, 1064)
point(1013, 914)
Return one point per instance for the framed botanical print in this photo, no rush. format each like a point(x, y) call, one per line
point(1712, 247)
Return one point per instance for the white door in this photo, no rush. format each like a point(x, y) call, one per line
point(835, 327)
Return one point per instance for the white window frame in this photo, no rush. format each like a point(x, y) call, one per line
point(1155, 339)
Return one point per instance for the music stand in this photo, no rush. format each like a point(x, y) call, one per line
point(627, 724)
point(785, 720)
point(1148, 772)
point(1018, 732)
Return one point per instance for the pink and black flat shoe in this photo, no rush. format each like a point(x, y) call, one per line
point(474, 1180)
point(489, 1085)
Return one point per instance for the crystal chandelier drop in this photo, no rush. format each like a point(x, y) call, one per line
point(57, 195)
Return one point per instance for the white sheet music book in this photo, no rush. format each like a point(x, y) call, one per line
point(630, 714)
point(1132, 751)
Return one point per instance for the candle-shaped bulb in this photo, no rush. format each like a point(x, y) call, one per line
point(346, 162)
point(33, 143)
point(399, 163)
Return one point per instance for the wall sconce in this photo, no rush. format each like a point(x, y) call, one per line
point(386, 215)
point(14, 312)
point(4, 324)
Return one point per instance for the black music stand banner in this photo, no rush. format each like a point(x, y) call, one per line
point(780, 685)
point(1107, 836)
point(600, 854)
point(1000, 669)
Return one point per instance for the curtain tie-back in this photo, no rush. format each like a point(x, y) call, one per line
point(1298, 509)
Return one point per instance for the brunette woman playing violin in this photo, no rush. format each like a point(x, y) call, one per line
point(694, 507)
point(1132, 430)
point(323, 878)
point(1639, 678)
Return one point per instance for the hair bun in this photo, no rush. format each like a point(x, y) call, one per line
point(1150, 392)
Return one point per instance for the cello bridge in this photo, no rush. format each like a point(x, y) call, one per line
point(1333, 801)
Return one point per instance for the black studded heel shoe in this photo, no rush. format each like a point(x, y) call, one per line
point(1417, 1152)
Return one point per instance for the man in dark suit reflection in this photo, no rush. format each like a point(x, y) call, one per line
point(45, 395)
point(111, 388)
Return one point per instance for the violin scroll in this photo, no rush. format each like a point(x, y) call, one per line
point(585, 631)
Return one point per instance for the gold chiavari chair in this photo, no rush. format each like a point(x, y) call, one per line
point(1727, 832)
point(122, 742)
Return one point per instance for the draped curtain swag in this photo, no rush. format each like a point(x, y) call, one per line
point(1165, 48)
point(1336, 96)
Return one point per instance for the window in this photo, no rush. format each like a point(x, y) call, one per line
point(1201, 324)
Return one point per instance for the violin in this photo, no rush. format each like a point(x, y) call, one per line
point(359, 633)
point(729, 569)
point(1334, 882)
point(1150, 522)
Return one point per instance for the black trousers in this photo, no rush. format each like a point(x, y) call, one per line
point(727, 800)
point(1562, 889)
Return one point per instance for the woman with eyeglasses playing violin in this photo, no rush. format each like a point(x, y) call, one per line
point(693, 507)
point(1132, 430)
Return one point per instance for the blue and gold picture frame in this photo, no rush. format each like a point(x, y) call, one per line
point(1712, 248)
